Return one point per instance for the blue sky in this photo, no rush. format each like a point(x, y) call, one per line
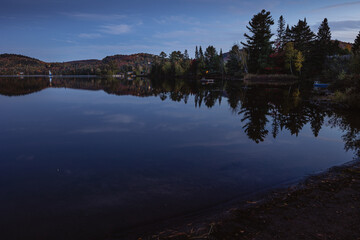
point(64, 30)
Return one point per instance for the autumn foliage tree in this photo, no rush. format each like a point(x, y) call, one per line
point(293, 58)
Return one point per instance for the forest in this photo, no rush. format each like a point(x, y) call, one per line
point(14, 64)
point(294, 50)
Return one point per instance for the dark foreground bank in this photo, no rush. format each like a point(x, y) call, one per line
point(325, 206)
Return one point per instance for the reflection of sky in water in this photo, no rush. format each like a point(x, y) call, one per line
point(73, 159)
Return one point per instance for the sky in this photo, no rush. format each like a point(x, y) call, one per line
point(65, 30)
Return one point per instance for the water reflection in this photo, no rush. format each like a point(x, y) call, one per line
point(79, 163)
point(257, 107)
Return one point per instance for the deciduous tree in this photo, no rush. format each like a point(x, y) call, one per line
point(293, 57)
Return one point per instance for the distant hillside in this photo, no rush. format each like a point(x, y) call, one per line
point(13, 64)
point(344, 45)
point(8, 59)
point(136, 62)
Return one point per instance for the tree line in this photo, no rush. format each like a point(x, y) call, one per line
point(295, 50)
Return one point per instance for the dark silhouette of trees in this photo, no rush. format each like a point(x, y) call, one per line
point(303, 37)
point(323, 46)
point(258, 44)
point(212, 60)
point(234, 64)
point(356, 45)
point(281, 33)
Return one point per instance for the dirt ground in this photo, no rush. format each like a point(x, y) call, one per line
point(323, 207)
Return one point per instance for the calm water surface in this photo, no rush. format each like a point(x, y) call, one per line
point(89, 158)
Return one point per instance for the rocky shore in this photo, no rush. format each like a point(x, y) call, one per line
point(325, 206)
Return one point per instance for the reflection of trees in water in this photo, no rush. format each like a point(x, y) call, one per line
point(254, 110)
point(349, 123)
point(316, 120)
point(22, 86)
point(259, 108)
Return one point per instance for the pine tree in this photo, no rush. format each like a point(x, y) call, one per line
point(281, 33)
point(258, 44)
point(201, 54)
point(304, 41)
point(233, 66)
point(302, 36)
point(323, 45)
point(163, 55)
point(221, 58)
point(288, 35)
point(196, 53)
point(324, 34)
point(186, 55)
point(356, 45)
point(201, 63)
point(212, 59)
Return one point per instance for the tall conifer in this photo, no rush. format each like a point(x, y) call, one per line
point(281, 31)
point(258, 44)
point(356, 45)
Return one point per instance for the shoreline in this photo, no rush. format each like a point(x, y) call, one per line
point(321, 206)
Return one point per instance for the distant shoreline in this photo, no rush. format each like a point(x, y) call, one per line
point(20, 76)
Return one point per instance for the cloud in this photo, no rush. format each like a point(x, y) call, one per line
point(177, 19)
point(175, 34)
point(115, 29)
point(345, 25)
point(101, 130)
point(347, 35)
point(119, 118)
point(97, 17)
point(346, 30)
point(64, 40)
point(338, 5)
point(90, 113)
point(89, 35)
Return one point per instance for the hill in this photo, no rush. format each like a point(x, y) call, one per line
point(140, 62)
point(344, 45)
point(13, 64)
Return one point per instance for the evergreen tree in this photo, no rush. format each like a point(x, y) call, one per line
point(221, 58)
point(186, 55)
point(258, 44)
point(212, 59)
point(163, 55)
point(288, 35)
point(196, 53)
point(280, 33)
point(233, 66)
point(302, 36)
point(304, 41)
point(176, 56)
point(201, 63)
point(201, 54)
point(356, 45)
point(324, 34)
point(323, 45)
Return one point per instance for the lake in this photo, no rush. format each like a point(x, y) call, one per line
point(89, 158)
